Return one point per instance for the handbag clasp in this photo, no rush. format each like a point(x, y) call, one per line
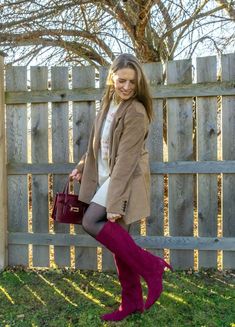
point(74, 209)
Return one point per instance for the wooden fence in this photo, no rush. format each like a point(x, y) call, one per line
point(48, 117)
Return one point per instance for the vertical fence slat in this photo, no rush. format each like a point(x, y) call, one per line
point(83, 117)
point(207, 150)
point(60, 153)
point(228, 146)
point(155, 223)
point(16, 80)
point(180, 147)
point(107, 257)
point(3, 173)
point(39, 153)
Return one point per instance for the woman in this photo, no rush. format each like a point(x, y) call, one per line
point(115, 180)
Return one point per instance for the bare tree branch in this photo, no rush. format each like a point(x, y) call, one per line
point(229, 7)
point(93, 32)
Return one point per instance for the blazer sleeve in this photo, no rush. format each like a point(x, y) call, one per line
point(81, 163)
point(129, 151)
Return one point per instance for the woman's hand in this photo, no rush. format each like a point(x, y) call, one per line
point(76, 175)
point(113, 216)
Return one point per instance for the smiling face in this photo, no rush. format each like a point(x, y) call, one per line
point(124, 81)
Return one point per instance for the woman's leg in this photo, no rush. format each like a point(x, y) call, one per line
point(94, 219)
point(120, 243)
point(132, 300)
point(132, 297)
point(145, 264)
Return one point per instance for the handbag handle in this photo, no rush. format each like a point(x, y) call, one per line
point(66, 187)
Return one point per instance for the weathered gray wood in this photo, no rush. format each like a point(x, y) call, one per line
point(207, 150)
point(16, 79)
point(180, 147)
point(3, 173)
point(228, 153)
point(151, 242)
point(107, 257)
point(155, 223)
point(174, 167)
point(61, 95)
point(60, 153)
point(91, 94)
point(193, 167)
point(83, 118)
point(39, 153)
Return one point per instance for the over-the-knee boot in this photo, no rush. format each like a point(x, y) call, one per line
point(132, 297)
point(150, 267)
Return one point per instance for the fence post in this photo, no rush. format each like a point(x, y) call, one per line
point(3, 174)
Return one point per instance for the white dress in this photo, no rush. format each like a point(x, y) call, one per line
point(103, 155)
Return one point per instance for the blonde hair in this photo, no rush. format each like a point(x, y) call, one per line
point(142, 93)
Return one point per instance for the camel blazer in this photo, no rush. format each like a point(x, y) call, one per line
point(129, 187)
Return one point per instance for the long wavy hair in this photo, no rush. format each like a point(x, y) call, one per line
point(142, 92)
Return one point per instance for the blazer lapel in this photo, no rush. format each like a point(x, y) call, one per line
point(99, 122)
point(119, 114)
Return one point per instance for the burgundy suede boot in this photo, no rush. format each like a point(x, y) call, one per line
point(147, 265)
point(132, 297)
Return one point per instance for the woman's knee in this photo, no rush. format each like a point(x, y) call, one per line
point(93, 216)
point(86, 223)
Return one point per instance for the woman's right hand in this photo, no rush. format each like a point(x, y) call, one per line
point(76, 175)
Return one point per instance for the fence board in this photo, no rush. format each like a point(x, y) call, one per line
point(174, 167)
point(3, 173)
point(91, 94)
point(39, 153)
point(60, 153)
point(228, 153)
point(151, 242)
point(180, 192)
point(155, 223)
point(207, 150)
point(83, 117)
point(16, 79)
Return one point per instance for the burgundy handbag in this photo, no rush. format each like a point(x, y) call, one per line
point(68, 208)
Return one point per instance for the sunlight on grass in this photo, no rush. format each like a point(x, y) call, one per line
point(224, 282)
point(102, 290)
point(4, 291)
point(205, 288)
point(195, 299)
point(87, 295)
point(175, 298)
point(82, 275)
point(112, 278)
point(30, 290)
point(58, 291)
point(192, 283)
point(171, 285)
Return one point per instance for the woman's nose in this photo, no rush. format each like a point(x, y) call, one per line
point(126, 85)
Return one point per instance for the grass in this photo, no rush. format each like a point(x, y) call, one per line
point(65, 298)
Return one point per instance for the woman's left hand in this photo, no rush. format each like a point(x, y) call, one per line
point(113, 216)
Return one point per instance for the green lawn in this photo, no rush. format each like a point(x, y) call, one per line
point(73, 298)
